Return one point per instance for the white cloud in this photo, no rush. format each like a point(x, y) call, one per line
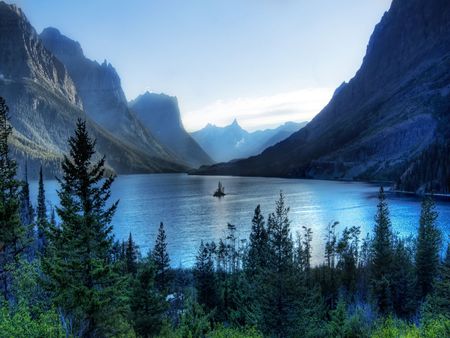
point(261, 112)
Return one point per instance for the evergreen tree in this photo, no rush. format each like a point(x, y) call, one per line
point(205, 279)
point(42, 221)
point(278, 300)
point(382, 254)
point(131, 256)
point(337, 324)
point(403, 279)
point(81, 275)
point(147, 304)
point(27, 216)
point(12, 233)
point(428, 248)
point(307, 240)
point(347, 251)
point(439, 301)
point(258, 247)
point(162, 261)
point(26, 208)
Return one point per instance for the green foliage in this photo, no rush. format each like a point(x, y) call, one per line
point(438, 303)
point(390, 328)
point(195, 322)
point(279, 284)
point(131, 256)
point(41, 216)
point(20, 323)
point(162, 261)
point(428, 248)
point(403, 279)
point(205, 278)
point(223, 332)
point(12, 232)
point(258, 247)
point(27, 215)
point(146, 304)
point(80, 275)
point(382, 256)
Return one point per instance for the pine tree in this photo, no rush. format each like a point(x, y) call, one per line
point(279, 293)
point(307, 240)
point(12, 233)
point(131, 256)
point(27, 217)
point(162, 261)
point(146, 303)
point(205, 279)
point(428, 248)
point(258, 247)
point(42, 221)
point(439, 300)
point(81, 276)
point(382, 254)
point(26, 208)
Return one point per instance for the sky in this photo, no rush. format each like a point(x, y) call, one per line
point(263, 62)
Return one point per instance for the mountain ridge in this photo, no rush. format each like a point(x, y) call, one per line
point(390, 112)
point(44, 104)
point(232, 141)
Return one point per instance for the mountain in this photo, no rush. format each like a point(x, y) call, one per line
point(100, 90)
point(394, 109)
point(45, 104)
point(232, 142)
point(160, 114)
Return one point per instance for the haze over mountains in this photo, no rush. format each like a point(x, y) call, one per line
point(232, 142)
point(48, 84)
point(379, 124)
point(390, 121)
point(160, 114)
point(45, 101)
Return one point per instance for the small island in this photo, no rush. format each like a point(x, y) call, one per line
point(220, 192)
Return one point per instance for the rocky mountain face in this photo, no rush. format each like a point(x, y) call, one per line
point(160, 114)
point(376, 126)
point(45, 104)
point(232, 142)
point(100, 90)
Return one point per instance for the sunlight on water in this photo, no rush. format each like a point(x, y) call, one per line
point(190, 213)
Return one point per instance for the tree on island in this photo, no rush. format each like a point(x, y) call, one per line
point(220, 190)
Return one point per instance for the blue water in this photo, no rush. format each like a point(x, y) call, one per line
point(190, 213)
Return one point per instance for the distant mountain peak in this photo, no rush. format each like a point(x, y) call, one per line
point(161, 115)
point(54, 37)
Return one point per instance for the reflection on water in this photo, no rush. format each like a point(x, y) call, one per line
point(190, 213)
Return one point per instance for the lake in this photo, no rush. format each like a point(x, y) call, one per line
point(190, 213)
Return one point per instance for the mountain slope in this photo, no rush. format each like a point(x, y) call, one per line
point(99, 88)
point(396, 106)
point(44, 104)
point(232, 142)
point(160, 114)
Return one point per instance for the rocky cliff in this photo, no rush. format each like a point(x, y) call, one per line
point(44, 104)
point(396, 106)
point(100, 90)
point(160, 114)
